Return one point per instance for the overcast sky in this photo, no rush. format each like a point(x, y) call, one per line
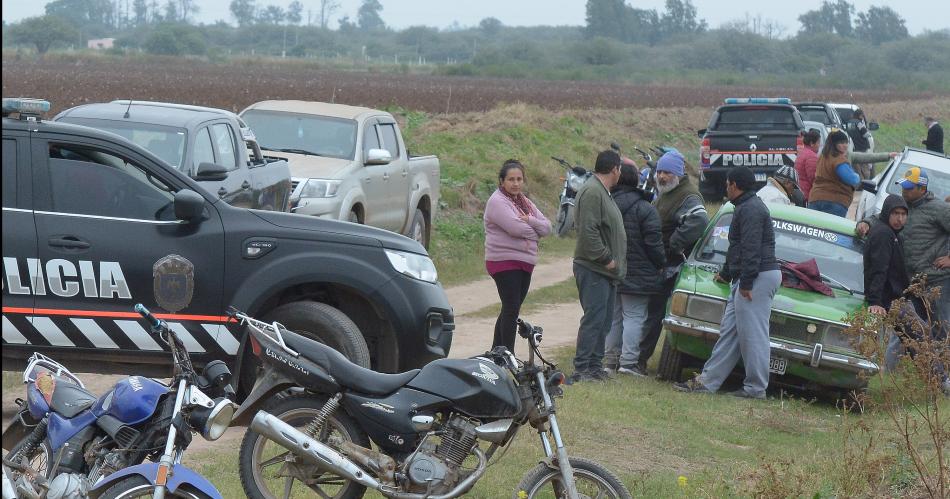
point(920, 14)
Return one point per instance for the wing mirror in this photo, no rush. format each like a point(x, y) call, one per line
point(189, 205)
point(210, 172)
point(873, 126)
point(869, 186)
point(378, 157)
point(701, 132)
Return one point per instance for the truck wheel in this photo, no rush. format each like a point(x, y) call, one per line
point(671, 363)
point(353, 217)
point(317, 321)
point(419, 229)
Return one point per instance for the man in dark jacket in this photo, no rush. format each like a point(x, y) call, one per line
point(599, 264)
point(645, 260)
point(934, 140)
point(754, 277)
point(683, 217)
point(885, 277)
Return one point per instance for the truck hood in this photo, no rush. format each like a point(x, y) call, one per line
point(306, 166)
point(358, 234)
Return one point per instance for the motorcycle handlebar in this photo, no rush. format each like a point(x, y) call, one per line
point(153, 321)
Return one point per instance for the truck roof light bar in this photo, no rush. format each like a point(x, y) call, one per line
point(758, 100)
point(24, 107)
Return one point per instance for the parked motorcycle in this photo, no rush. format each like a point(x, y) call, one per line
point(428, 425)
point(73, 445)
point(574, 178)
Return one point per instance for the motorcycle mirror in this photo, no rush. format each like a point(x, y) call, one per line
point(615, 146)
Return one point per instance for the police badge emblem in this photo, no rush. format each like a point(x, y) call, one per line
point(173, 282)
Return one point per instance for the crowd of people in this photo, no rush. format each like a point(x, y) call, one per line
point(630, 247)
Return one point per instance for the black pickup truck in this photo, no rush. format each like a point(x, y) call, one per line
point(761, 133)
point(213, 146)
point(93, 224)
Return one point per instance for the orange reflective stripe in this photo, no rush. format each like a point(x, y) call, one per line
point(162, 476)
point(101, 313)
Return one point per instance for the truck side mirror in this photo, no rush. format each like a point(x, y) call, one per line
point(189, 205)
point(873, 126)
point(701, 132)
point(378, 157)
point(210, 172)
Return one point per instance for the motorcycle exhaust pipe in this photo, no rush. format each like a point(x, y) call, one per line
point(309, 449)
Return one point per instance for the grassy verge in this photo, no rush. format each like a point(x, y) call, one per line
point(651, 436)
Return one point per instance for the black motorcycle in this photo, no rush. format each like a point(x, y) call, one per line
point(574, 178)
point(428, 425)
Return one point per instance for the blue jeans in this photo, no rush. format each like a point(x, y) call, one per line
point(597, 293)
point(623, 341)
point(829, 207)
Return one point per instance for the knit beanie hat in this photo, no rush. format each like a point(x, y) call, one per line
point(672, 162)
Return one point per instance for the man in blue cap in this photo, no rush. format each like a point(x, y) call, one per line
point(683, 217)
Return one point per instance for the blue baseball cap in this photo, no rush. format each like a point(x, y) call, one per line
point(913, 177)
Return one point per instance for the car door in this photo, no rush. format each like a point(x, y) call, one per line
point(19, 248)
point(213, 145)
point(375, 179)
point(398, 176)
point(107, 238)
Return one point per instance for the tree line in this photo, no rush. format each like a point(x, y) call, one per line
point(834, 45)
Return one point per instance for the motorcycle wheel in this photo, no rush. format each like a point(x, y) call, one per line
point(268, 470)
point(564, 222)
point(592, 480)
point(40, 460)
point(138, 486)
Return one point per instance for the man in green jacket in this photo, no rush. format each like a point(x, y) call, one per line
point(599, 264)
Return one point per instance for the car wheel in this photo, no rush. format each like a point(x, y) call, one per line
point(671, 363)
point(419, 229)
point(353, 217)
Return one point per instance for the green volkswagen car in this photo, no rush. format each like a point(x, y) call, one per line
point(809, 350)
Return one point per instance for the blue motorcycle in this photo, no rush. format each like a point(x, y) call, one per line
point(126, 443)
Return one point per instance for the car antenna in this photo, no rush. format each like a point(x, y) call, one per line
point(126, 115)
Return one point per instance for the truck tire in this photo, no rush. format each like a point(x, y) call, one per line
point(671, 363)
point(317, 321)
point(419, 229)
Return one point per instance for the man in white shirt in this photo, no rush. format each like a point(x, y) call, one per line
point(780, 187)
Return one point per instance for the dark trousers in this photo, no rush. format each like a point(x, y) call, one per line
point(653, 326)
point(512, 288)
point(597, 293)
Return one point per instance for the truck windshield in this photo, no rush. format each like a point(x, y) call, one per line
point(318, 135)
point(839, 256)
point(755, 118)
point(168, 143)
point(815, 114)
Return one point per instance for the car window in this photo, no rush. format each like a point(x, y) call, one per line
point(85, 180)
point(756, 118)
point(370, 140)
point(390, 143)
point(812, 114)
point(320, 135)
point(224, 140)
point(839, 256)
point(845, 113)
point(939, 181)
point(168, 143)
point(9, 172)
point(204, 153)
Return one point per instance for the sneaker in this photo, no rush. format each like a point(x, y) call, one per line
point(578, 377)
point(632, 371)
point(601, 375)
point(741, 393)
point(610, 370)
point(691, 386)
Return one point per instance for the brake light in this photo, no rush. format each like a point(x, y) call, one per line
point(704, 152)
point(255, 346)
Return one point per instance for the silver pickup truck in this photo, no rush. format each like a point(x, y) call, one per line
point(349, 163)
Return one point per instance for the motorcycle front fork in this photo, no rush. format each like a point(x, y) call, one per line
point(559, 453)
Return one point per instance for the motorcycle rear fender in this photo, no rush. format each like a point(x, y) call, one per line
point(268, 384)
point(21, 426)
point(179, 476)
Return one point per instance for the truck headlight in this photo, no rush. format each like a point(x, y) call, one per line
point(413, 265)
point(319, 188)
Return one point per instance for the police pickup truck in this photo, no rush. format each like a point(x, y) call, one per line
point(763, 134)
point(93, 224)
point(213, 146)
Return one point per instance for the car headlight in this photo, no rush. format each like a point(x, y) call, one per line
point(319, 188)
point(413, 265)
point(705, 309)
point(835, 337)
point(212, 422)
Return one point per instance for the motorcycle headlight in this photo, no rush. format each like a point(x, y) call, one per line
point(413, 265)
point(575, 182)
point(213, 421)
point(319, 188)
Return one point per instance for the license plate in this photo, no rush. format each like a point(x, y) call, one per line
point(777, 365)
point(760, 177)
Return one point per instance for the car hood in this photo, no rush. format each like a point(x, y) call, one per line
point(354, 233)
point(307, 166)
point(794, 301)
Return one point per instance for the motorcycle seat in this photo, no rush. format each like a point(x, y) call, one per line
point(69, 399)
point(346, 373)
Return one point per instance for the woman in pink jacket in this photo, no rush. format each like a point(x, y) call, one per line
point(513, 226)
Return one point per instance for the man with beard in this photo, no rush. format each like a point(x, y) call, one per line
point(683, 217)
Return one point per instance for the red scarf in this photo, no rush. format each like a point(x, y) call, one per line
point(519, 200)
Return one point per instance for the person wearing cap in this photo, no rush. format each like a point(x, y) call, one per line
point(753, 275)
point(683, 219)
point(934, 140)
point(781, 187)
point(835, 180)
point(600, 264)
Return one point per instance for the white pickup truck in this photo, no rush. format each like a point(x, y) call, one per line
point(349, 163)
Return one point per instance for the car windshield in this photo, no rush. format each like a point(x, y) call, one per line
point(839, 256)
point(168, 143)
point(303, 133)
point(939, 181)
point(756, 118)
point(845, 113)
point(815, 114)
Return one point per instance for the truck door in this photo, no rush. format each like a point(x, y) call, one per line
point(19, 247)
point(376, 184)
point(215, 143)
point(398, 177)
point(108, 238)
